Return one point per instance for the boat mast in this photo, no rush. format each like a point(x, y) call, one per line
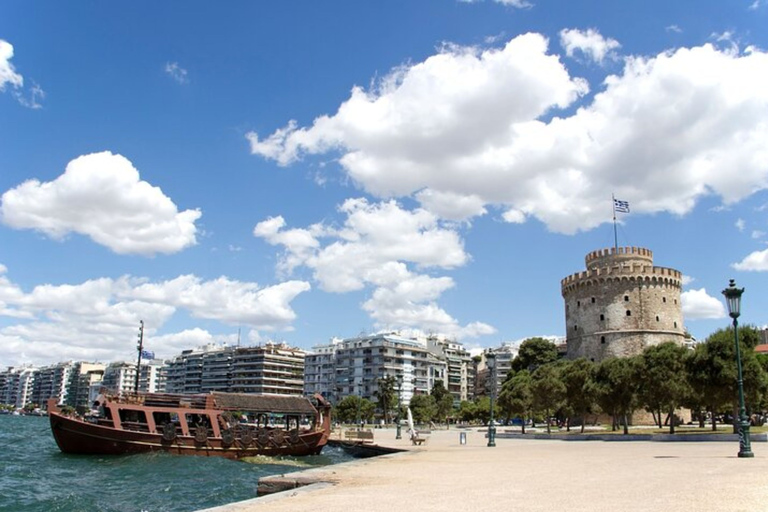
point(141, 347)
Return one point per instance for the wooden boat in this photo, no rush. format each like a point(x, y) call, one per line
point(231, 425)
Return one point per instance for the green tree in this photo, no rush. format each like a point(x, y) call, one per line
point(721, 351)
point(534, 352)
point(423, 408)
point(711, 369)
point(352, 409)
point(386, 396)
point(663, 380)
point(516, 398)
point(467, 411)
point(616, 385)
point(548, 391)
point(483, 409)
point(578, 377)
point(443, 401)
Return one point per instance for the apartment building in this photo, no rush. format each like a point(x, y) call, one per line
point(17, 386)
point(273, 369)
point(459, 367)
point(353, 366)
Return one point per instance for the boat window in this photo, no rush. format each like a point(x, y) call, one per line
point(199, 421)
point(161, 418)
point(133, 419)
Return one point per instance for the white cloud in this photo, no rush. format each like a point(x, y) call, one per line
point(590, 43)
point(35, 94)
point(102, 196)
point(697, 304)
point(484, 126)
point(688, 280)
point(231, 302)
point(756, 261)
point(97, 319)
point(740, 225)
point(373, 249)
point(8, 74)
point(176, 72)
point(757, 234)
point(450, 205)
point(756, 5)
point(674, 28)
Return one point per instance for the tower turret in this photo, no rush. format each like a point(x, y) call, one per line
point(621, 304)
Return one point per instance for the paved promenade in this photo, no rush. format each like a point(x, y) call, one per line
point(531, 476)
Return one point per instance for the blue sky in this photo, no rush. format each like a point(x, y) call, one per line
point(300, 170)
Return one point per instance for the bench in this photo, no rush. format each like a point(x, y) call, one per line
point(418, 437)
point(366, 436)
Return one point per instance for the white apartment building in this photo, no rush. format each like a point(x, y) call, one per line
point(353, 366)
point(120, 377)
point(17, 386)
point(459, 367)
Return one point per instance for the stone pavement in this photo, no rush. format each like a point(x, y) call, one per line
point(532, 475)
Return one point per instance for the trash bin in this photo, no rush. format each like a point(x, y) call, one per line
point(462, 438)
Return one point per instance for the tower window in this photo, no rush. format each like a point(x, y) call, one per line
point(664, 299)
point(657, 318)
point(602, 340)
point(575, 328)
point(626, 298)
point(629, 313)
point(578, 303)
point(592, 359)
point(602, 317)
point(675, 325)
point(593, 300)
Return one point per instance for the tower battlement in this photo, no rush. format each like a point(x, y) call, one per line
point(618, 256)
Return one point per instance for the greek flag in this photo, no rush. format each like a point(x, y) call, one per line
point(620, 206)
point(146, 354)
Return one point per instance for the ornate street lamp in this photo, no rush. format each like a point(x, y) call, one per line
point(733, 299)
point(490, 359)
point(399, 435)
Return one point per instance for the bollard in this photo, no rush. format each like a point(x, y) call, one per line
point(462, 438)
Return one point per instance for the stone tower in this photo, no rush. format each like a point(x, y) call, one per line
point(621, 304)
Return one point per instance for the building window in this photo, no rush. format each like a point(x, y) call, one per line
point(602, 340)
point(657, 318)
point(593, 300)
point(578, 303)
point(629, 313)
point(602, 318)
point(675, 325)
point(664, 300)
point(575, 328)
point(592, 359)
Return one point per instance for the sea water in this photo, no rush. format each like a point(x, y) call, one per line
point(36, 476)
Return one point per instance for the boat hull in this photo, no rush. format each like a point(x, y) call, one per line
point(77, 436)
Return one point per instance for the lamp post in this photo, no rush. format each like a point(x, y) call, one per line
point(733, 299)
point(399, 434)
point(490, 358)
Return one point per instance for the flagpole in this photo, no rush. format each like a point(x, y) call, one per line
point(615, 233)
point(138, 364)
